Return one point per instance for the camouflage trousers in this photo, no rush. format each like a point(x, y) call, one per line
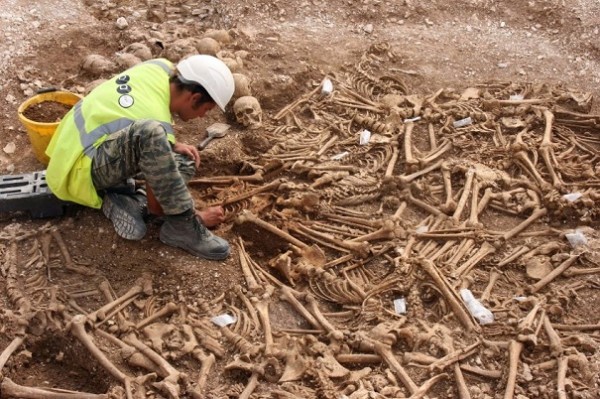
point(143, 148)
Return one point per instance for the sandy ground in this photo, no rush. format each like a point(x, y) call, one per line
point(286, 49)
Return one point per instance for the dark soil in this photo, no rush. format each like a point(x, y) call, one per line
point(46, 111)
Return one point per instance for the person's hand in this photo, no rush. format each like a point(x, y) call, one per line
point(189, 150)
point(212, 216)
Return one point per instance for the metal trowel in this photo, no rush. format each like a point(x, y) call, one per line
point(216, 130)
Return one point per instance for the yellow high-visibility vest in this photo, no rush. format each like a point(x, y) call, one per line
point(141, 92)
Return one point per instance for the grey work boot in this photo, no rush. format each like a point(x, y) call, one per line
point(185, 231)
point(126, 213)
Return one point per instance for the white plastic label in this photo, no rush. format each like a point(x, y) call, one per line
point(572, 197)
point(463, 122)
point(339, 156)
point(477, 310)
point(576, 238)
point(223, 320)
point(416, 118)
point(326, 86)
point(365, 137)
point(400, 305)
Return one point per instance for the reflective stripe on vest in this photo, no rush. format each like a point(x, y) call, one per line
point(88, 139)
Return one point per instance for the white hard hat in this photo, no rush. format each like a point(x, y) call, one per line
point(211, 73)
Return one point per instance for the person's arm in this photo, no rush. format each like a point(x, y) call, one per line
point(189, 150)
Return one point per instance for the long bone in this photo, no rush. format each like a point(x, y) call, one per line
point(382, 346)
point(166, 310)
point(10, 349)
point(546, 150)
point(10, 389)
point(470, 175)
point(389, 171)
point(316, 312)
point(485, 250)
point(454, 357)
point(449, 294)
point(553, 274)
point(422, 204)
point(535, 215)
point(411, 161)
point(287, 294)
point(169, 385)
point(556, 348)
point(447, 146)
point(494, 276)
point(463, 390)
point(248, 217)
point(522, 159)
point(450, 205)
point(262, 307)
point(249, 276)
point(360, 248)
point(514, 255)
point(141, 285)
point(514, 352)
point(69, 264)
point(388, 230)
point(207, 362)
point(405, 179)
point(464, 247)
point(77, 328)
point(109, 295)
point(130, 354)
point(432, 140)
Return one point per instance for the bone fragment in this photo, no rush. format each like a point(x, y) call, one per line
point(546, 147)
point(450, 205)
point(450, 295)
point(9, 389)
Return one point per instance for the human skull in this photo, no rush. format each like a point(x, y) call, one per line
point(248, 112)
point(242, 85)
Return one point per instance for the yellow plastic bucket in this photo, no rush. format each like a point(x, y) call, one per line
point(40, 133)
